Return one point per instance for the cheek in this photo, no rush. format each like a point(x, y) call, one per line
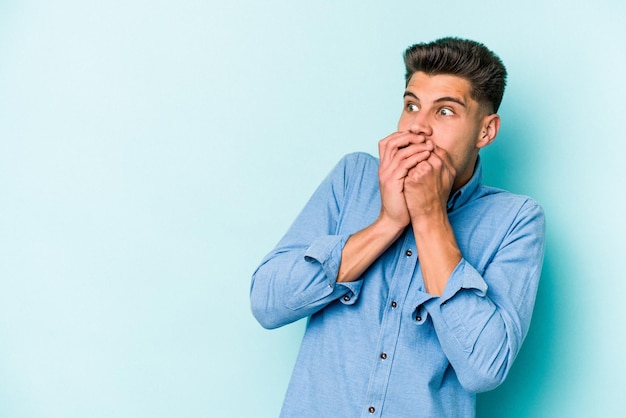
point(446, 139)
point(455, 145)
point(402, 123)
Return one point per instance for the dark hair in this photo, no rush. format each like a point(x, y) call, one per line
point(464, 58)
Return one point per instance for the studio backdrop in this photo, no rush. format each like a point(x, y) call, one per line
point(152, 152)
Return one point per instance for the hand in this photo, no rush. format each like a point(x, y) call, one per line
point(428, 184)
point(400, 152)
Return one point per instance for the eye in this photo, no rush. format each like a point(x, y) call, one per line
point(446, 111)
point(412, 107)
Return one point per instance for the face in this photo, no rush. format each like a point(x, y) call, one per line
point(441, 109)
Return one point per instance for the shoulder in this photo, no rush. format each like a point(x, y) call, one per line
point(355, 178)
point(504, 201)
point(359, 159)
point(359, 164)
point(490, 192)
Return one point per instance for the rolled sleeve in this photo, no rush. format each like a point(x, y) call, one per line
point(464, 307)
point(484, 314)
point(466, 277)
point(299, 277)
point(324, 254)
point(327, 251)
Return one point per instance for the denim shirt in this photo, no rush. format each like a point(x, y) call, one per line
point(382, 346)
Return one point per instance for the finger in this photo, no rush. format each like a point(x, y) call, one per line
point(405, 165)
point(413, 148)
point(410, 163)
point(444, 160)
point(412, 154)
point(422, 169)
point(389, 146)
point(442, 153)
point(398, 166)
point(405, 139)
point(385, 150)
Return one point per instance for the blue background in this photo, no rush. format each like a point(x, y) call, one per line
point(151, 152)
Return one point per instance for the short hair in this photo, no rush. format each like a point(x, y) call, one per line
point(464, 58)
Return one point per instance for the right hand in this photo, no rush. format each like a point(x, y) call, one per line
point(399, 153)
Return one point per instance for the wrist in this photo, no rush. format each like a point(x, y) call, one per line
point(388, 226)
point(425, 222)
point(428, 211)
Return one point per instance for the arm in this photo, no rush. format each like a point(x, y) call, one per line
point(428, 187)
point(364, 247)
point(297, 278)
point(484, 313)
point(399, 153)
point(480, 317)
point(318, 262)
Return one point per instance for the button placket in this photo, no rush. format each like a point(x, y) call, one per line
point(390, 325)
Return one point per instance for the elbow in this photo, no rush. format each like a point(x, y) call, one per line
point(264, 312)
point(481, 383)
point(477, 380)
point(268, 324)
point(265, 317)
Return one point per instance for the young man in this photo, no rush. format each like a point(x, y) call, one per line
point(417, 280)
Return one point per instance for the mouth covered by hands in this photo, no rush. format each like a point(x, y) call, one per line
point(415, 175)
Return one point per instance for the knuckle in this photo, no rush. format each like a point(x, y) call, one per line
point(426, 168)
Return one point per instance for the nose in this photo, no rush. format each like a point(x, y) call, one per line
point(420, 124)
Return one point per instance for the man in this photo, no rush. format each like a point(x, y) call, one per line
point(417, 280)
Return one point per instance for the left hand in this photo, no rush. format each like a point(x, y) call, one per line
point(427, 186)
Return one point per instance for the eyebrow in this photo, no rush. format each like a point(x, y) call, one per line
point(439, 100)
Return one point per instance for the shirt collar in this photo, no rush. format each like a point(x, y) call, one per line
point(465, 193)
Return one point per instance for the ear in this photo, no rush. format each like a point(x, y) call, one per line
point(489, 131)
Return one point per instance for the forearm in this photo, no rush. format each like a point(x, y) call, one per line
point(426, 189)
point(471, 331)
point(479, 339)
point(365, 246)
point(294, 283)
point(437, 249)
point(484, 313)
point(298, 277)
point(399, 153)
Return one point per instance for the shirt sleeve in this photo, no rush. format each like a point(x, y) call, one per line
point(298, 278)
point(481, 320)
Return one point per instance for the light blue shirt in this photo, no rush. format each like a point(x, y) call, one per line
point(381, 346)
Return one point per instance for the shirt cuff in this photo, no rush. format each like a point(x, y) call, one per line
point(464, 276)
point(327, 252)
point(463, 298)
point(354, 289)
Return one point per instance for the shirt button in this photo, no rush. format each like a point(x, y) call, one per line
point(409, 253)
point(371, 409)
point(394, 304)
point(346, 298)
point(383, 356)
